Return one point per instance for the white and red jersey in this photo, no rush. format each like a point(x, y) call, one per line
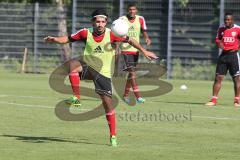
point(81, 35)
point(142, 25)
point(141, 21)
point(229, 37)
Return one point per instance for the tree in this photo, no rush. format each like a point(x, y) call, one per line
point(62, 27)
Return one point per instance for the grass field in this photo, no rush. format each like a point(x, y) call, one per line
point(30, 130)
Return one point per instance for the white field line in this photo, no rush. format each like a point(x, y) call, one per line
point(83, 109)
point(39, 97)
point(203, 105)
point(26, 105)
point(3, 95)
point(37, 106)
point(34, 97)
point(217, 118)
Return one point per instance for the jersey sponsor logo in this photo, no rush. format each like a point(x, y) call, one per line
point(131, 28)
point(132, 34)
point(228, 39)
point(98, 49)
point(234, 34)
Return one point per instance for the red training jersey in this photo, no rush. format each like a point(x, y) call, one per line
point(81, 35)
point(229, 37)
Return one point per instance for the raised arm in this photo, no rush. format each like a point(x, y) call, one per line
point(149, 55)
point(61, 40)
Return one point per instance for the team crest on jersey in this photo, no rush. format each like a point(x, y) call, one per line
point(222, 33)
point(234, 34)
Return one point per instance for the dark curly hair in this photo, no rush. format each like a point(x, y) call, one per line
point(99, 12)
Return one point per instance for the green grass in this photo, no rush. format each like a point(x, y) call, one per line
point(30, 130)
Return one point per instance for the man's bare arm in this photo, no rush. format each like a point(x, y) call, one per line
point(61, 40)
point(149, 55)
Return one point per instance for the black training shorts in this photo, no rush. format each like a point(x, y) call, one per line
point(228, 61)
point(103, 85)
point(131, 61)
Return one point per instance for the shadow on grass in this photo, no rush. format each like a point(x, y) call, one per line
point(34, 139)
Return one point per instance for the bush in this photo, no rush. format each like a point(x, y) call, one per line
point(10, 65)
point(193, 69)
point(43, 64)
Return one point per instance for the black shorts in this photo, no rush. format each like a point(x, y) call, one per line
point(131, 61)
point(228, 61)
point(103, 85)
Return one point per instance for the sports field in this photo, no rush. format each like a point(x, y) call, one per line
point(187, 130)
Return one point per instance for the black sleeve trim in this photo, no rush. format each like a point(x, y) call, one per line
point(71, 39)
point(127, 39)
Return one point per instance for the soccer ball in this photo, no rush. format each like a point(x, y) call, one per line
point(120, 27)
point(183, 87)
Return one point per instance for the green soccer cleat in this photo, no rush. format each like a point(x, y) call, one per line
point(140, 100)
point(113, 141)
point(73, 101)
point(126, 100)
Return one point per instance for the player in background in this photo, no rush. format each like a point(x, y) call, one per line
point(228, 40)
point(98, 60)
point(137, 25)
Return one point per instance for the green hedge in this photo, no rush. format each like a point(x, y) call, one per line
point(199, 70)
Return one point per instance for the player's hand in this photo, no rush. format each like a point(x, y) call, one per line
point(49, 39)
point(150, 55)
point(220, 45)
point(148, 41)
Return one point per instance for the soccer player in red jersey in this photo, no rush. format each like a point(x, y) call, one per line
point(137, 25)
point(227, 39)
point(98, 60)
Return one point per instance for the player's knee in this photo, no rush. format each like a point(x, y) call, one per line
point(132, 75)
point(219, 78)
point(75, 66)
point(77, 69)
point(131, 71)
point(237, 79)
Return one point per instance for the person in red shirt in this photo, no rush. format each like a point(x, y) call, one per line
point(97, 63)
point(137, 25)
point(227, 39)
